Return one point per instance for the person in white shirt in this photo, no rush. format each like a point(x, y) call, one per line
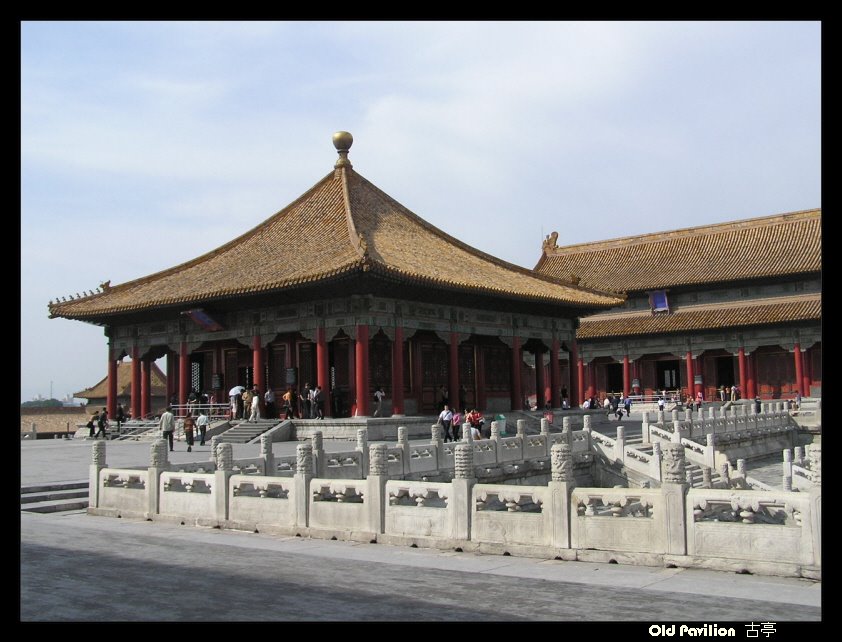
point(167, 425)
point(445, 419)
point(202, 424)
point(378, 397)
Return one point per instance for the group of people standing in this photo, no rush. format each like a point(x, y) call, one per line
point(451, 423)
point(308, 404)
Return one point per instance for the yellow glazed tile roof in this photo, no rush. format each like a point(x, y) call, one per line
point(749, 249)
point(352, 227)
point(703, 317)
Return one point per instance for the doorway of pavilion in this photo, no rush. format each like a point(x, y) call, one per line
point(341, 377)
point(775, 372)
point(614, 378)
point(668, 374)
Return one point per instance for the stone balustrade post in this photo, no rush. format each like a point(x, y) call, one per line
point(710, 450)
point(521, 428)
point(816, 463)
point(561, 488)
point(495, 437)
point(436, 440)
point(266, 455)
point(620, 445)
point(799, 456)
point(215, 441)
point(645, 428)
point(711, 413)
point(725, 473)
point(674, 414)
point(376, 499)
point(655, 463)
point(586, 424)
point(688, 415)
point(545, 433)
point(461, 489)
point(673, 489)
point(223, 472)
point(662, 418)
point(676, 432)
point(403, 443)
point(97, 464)
point(303, 475)
point(158, 463)
point(467, 435)
point(362, 448)
point(319, 457)
point(707, 477)
point(787, 469)
point(741, 467)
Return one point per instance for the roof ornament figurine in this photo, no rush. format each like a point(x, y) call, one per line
point(550, 242)
point(105, 285)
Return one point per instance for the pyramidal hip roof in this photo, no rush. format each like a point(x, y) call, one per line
point(354, 227)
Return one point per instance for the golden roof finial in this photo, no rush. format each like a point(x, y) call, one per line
point(342, 141)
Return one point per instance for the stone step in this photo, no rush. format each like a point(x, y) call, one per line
point(53, 487)
point(54, 498)
point(30, 498)
point(55, 506)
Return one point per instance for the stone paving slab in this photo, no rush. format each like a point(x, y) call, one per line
point(77, 567)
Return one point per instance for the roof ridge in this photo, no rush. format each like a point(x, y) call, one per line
point(207, 255)
point(685, 232)
point(429, 227)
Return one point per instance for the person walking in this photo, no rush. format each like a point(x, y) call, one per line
point(318, 411)
point(202, 423)
point(121, 416)
point(102, 424)
point(167, 425)
point(189, 425)
point(255, 405)
point(92, 424)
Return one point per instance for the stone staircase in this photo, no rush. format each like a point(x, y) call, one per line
point(54, 498)
point(246, 431)
point(695, 471)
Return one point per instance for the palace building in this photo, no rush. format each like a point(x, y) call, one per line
point(707, 307)
point(375, 297)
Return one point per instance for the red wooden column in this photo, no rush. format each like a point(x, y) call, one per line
point(183, 374)
point(580, 382)
point(555, 375)
point(322, 371)
point(626, 376)
point(479, 355)
point(799, 369)
point(807, 367)
point(591, 391)
point(172, 376)
point(517, 390)
point(352, 376)
point(145, 388)
point(453, 370)
point(257, 364)
point(136, 392)
point(689, 358)
point(698, 387)
point(397, 373)
point(111, 396)
point(361, 373)
point(741, 364)
point(540, 399)
point(751, 389)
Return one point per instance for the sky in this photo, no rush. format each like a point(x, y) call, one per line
point(146, 144)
